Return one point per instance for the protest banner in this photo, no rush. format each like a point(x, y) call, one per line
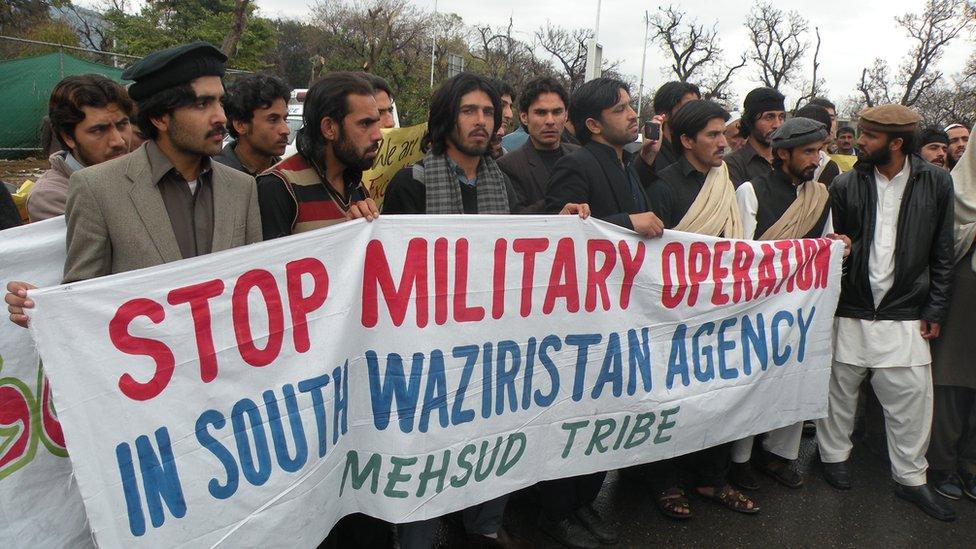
point(40, 505)
point(418, 365)
point(400, 148)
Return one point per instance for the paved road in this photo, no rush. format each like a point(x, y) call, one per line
point(813, 516)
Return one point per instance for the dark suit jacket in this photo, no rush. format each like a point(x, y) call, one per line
point(593, 175)
point(529, 176)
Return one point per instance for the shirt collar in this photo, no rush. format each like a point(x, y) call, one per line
point(608, 152)
point(688, 170)
point(459, 171)
point(901, 175)
point(73, 163)
point(160, 165)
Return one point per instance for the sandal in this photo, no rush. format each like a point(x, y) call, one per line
point(673, 503)
point(731, 499)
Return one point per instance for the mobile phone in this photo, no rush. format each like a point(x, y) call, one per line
point(652, 131)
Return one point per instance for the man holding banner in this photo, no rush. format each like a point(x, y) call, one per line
point(696, 195)
point(786, 204)
point(322, 184)
point(167, 200)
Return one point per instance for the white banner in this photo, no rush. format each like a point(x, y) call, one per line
point(418, 365)
point(39, 501)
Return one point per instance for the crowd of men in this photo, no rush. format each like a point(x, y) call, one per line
point(144, 179)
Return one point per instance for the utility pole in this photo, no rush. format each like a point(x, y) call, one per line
point(433, 44)
point(594, 51)
point(640, 89)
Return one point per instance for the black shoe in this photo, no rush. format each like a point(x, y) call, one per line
point(783, 471)
point(743, 476)
point(569, 532)
point(838, 475)
point(925, 499)
point(968, 481)
point(598, 527)
point(947, 485)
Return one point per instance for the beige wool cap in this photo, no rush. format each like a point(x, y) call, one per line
point(890, 118)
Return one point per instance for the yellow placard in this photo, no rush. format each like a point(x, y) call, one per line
point(20, 198)
point(400, 148)
point(844, 161)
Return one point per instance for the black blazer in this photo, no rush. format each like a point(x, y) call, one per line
point(593, 175)
point(529, 176)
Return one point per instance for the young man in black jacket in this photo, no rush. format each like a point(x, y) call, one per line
point(602, 173)
point(897, 210)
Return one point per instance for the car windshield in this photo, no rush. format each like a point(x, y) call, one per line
point(293, 124)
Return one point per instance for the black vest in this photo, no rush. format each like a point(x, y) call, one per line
point(775, 193)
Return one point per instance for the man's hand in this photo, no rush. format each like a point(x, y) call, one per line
point(364, 208)
point(647, 224)
point(930, 330)
point(583, 210)
point(651, 147)
point(843, 238)
point(17, 301)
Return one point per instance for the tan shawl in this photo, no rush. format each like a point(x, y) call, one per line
point(802, 214)
point(964, 182)
point(714, 211)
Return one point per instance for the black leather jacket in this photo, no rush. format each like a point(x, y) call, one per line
point(922, 282)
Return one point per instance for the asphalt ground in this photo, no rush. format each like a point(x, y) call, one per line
point(816, 515)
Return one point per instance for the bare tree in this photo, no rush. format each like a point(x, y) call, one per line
point(778, 43)
point(816, 84)
point(568, 48)
point(695, 52)
point(940, 22)
point(90, 26)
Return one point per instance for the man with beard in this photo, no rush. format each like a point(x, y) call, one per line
point(696, 195)
point(383, 95)
point(933, 146)
point(898, 212)
point(543, 112)
point(458, 176)
point(165, 201)
point(785, 204)
point(601, 173)
point(732, 136)
point(827, 169)
point(507, 94)
point(763, 111)
point(256, 106)
point(91, 115)
point(958, 139)
point(321, 185)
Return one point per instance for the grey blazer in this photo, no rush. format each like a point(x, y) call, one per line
point(117, 220)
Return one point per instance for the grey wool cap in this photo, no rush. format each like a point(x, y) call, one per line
point(798, 131)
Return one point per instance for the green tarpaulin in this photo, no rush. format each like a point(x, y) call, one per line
point(25, 87)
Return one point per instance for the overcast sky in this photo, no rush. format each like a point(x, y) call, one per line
point(853, 32)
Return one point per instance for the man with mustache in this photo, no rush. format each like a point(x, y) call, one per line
point(458, 176)
point(763, 111)
point(322, 184)
point(845, 141)
point(256, 106)
point(933, 146)
point(787, 203)
point(898, 212)
point(958, 139)
point(698, 183)
point(166, 200)
point(91, 115)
